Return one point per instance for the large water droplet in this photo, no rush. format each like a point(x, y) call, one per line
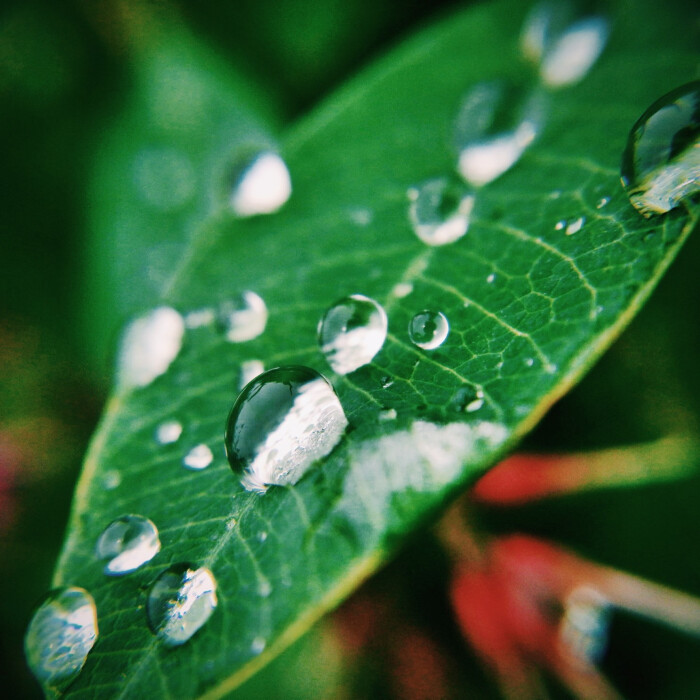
point(428, 329)
point(261, 185)
point(180, 601)
point(243, 318)
point(60, 635)
point(128, 542)
point(148, 347)
point(661, 162)
point(352, 332)
point(168, 432)
point(199, 457)
point(281, 423)
point(439, 211)
point(494, 127)
point(563, 44)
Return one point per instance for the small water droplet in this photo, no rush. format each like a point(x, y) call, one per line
point(583, 629)
point(387, 414)
point(168, 432)
point(602, 202)
point(529, 361)
point(261, 185)
point(486, 150)
point(559, 226)
point(467, 399)
point(564, 45)
point(258, 645)
point(149, 346)
point(428, 329)
point(111, 479)
point(281, 423)
point(439, 211)
point(264, 588)
point(575, 226)
point(402, 289)
point(661, 162)
point(243, 318)
point(180, 601)
point(386, 382)
point(262, 535)
point(128, 542)
point(352, 332)
point(200, 318)
point(60, 635)
point(491, 278)
point(249, 370)
point(199, 457)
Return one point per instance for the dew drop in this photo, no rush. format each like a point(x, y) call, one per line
point(386, 382)
point(281, 423)
point(111, 479)
point(352, 332)
point(180, 601)
point(149, 346)
point(661, 162)
point(258, 646)
point(261, 185)
point(264, 588)
point(602, 202)
point(199, 457)
point(60, 635)
point(529, 361)
point(401, 290)
point(575, 226)
point(439, 211)
point(168, 432)
point(560, 225)
point(387, 414)
point(243, 318)
point(583, 629)
point(128, 542)
point(428, 329)
point(249, 370)
point(491, 278)
point(486, 151)
point(467, 399)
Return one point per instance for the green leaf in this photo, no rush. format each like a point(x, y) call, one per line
point(158, 167)
point(525, 336)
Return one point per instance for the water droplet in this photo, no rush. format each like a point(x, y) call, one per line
point(249, 370)
point(168, 432)
point(387, 414)
point(264, 588)
point(258, 645)
point(262, 536)
point(467, 399)
point(386, 382)
point(559, 226)
point(428, 329)
point(149, 346)
point(361, 217)
point(402, 289)
point(352, 332)
point(60, 635)
point(661, 162)
point(583, 629)
point(603, 201)
point(485, 150)
point(111, 479)
point(566, 47)
point(164, 178)
point(529, 361)
point(180, 601)
point(491, 278)
point(439, 211)
point(243, 318)
point(575, 226)
point(199, 318)
point(199, 457)
point(128, 542)
point(281, 423)
point(261, 186)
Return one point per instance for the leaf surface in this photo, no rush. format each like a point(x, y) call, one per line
point(530, 308)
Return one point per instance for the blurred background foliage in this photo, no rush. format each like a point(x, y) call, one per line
point(64, 75)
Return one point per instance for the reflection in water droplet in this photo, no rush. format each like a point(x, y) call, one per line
point(180, 601)
point(603, 201)
point(199, 457)
point(563, 44)
point(583, 629)
point(559, 226)
point(258, 645)
point(491, 278)
point(439, 211)
point(428, 329)
point(352, 332)
point(164, 178)
point(128, 542)
point(387, 414)
point(575, 226)
point(402, 289)
point(148, 347)
point(467, 399)
point(111, 479)
point(386, 382)
point(661, 162)
point(60, 635)
point(261, 186)
point(168, 432)
point(529, 361)
point(281, 423)
point(243, 318)
point(249, 370)
point(486, 150)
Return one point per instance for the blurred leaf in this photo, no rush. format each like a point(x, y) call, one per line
point(525, 335)
point(156, 173)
